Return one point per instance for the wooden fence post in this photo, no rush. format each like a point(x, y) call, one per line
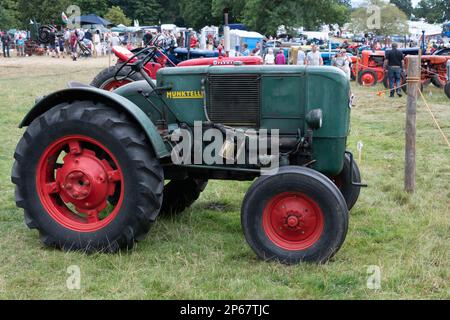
point(413, 79)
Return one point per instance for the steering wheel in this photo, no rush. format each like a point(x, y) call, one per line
point(147, 54)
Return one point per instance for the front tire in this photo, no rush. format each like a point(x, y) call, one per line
point(69, 164)
point(447, 89)
point(296, 215)
point(437, 82)
point(368, 78)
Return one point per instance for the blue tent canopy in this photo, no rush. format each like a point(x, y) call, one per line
point(94, 19)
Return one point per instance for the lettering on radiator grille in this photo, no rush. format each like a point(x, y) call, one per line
point(184, 95)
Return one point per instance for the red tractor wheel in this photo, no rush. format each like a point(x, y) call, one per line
point(447, 89)
point(106, 79)
point(75, 191)
point(297, 215)
point(423, 84)
point(438, 81)
point(368, 78)
point(87, 179)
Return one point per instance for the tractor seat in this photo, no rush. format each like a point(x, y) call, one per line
point(76, 84)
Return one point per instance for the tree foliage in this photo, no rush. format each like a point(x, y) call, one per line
point(98, 7)
point(45, 11)
point(404, 5)
point(261, 15)
point(117, 16)
point(390, 21)
point(433, 11)
point(197, 13)
point(266, 15)
point(8, 14)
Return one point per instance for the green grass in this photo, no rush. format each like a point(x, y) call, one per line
point(202, 254)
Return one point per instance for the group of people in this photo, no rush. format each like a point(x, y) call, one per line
point(88, 42)
point(167, 39)
point(17, 40)
point(312, 58)
point(61, 43)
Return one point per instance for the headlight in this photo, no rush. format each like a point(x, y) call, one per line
point(314, 119)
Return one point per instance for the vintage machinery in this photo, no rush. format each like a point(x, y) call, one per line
point(109, 79)
point(370, 67)
point(447, 86)
point(91, 166)
point(434, 70)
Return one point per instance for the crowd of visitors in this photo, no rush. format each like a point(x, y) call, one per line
point(13, 40)
point(61, 43)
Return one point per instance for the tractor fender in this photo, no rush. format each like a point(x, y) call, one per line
point(109, 98)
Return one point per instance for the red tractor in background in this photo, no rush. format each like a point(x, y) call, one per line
point(368, 70)
point(116, 76)
point(433, 70)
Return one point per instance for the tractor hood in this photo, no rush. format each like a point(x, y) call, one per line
point(265, 97)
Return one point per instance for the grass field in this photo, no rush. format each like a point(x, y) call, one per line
point(203, 254)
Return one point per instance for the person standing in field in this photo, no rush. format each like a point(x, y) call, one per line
point(74, 44)
point(6, 39)
point(394, 63)
point(245, 52)
point(52, 43)
point(115, 40)
point(301, 56)
point(280, 59)
point(342, 61)
point(67, 41)
point(97, 43)
point(257, 50)
point(314, 57)
point(147, 38)
point(62, 47)
point(269, 59)
point(20, 46)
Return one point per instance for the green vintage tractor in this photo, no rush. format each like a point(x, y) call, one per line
point(94, 169)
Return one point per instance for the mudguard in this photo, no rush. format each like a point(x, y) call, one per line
point(109, 98)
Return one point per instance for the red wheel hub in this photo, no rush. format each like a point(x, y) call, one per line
point(293, 221)
point(368, 79)
point(75, 193)
point(114, 84)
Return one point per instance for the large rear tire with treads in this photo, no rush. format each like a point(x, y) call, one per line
point(71, 162)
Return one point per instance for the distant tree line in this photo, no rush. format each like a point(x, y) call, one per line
point(433, 11)
point(262, 15)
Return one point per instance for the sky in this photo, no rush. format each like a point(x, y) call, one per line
point(356, 2)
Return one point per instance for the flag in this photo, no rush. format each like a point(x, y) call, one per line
point(64, 18)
